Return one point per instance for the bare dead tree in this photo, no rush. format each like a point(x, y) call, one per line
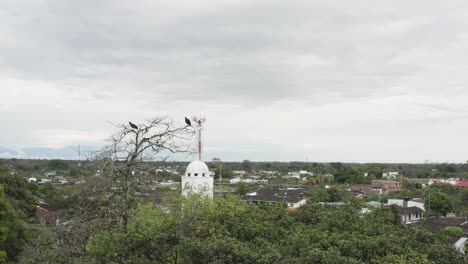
point(132, 146)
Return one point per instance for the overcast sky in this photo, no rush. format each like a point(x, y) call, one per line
point(359, 81)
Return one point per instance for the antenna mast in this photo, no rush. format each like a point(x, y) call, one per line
point(199, 126)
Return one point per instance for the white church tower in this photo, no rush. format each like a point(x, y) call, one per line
point(197, 177)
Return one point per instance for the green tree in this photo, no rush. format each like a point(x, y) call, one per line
point(4, 168)
point(350, 175)
point(439, 204)
point(375, 172)
point(151, 238)
point(444, 187)
point(224, 170)
point(13, 235)
point(43, 247)
point(246, 165)
point(405, 193)
point(464, 197)
point(76, 171)
point(21, 194)
point(324, 195)
point(452, 231)
point(199, 230)
point(57, 164)
point(47, 190)
point(410, 258)
point(242, 188)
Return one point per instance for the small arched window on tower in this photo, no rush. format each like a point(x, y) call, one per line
point(203, 174)
point(188, 174)
point(195, 174)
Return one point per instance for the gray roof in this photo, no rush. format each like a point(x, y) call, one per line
point(410, 210)
point(439, 223)
point(421, 181)
point(276, 195)
point(459, 242)
point(333, 203)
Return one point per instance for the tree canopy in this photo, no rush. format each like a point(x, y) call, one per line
point(197, 230)
point(20, 193)
point(13, 235)
point(439, 204)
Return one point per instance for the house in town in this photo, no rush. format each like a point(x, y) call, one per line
point(386, 186)
point(462, 184)
point(293, 198)
point(409, 213)
point(423, 183)
point(391, 175)
point(362, 188)
point(459, 243)
point(32, 179)
point(436, 224)
point(46, 212)
point(409, 203)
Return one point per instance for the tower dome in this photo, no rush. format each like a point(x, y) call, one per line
point(197, 168)
point(197, 179)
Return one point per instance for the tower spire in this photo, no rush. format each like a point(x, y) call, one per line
point(199, 121)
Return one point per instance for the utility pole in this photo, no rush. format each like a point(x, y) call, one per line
point(429, 202)
point(220, 178)
point(79, 155)
point(218, 162)
point(199, 121)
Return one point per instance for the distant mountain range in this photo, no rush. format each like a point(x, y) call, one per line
point(68, 153)
point(65, 153)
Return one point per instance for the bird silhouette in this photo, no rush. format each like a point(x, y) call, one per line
point(187, 121)
point(133, 125)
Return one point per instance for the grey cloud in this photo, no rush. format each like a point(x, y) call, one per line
point(237, 58)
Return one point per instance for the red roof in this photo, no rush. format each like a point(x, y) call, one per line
point(462, 184)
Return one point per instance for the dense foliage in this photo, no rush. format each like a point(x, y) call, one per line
point(17, 206)
point(21, 194)
point(229, 231)
point(223, 230)
point(13, 233)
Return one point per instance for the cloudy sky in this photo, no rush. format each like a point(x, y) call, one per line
point(360, 81)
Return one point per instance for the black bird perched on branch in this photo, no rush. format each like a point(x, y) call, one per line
point(187, 121)
point(133, 125)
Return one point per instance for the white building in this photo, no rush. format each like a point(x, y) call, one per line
point(410, 214)
point(294, 174)
point(197, 179)
point(410, 211)
point(410, 203)
point(390, 175)
point(32, 179)
point(452, 181)
point(44, 180)
point(249, 181)
point(234, 180)
point(460, 244)
point(306, 173)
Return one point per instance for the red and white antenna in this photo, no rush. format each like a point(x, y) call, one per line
point(199, 127)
